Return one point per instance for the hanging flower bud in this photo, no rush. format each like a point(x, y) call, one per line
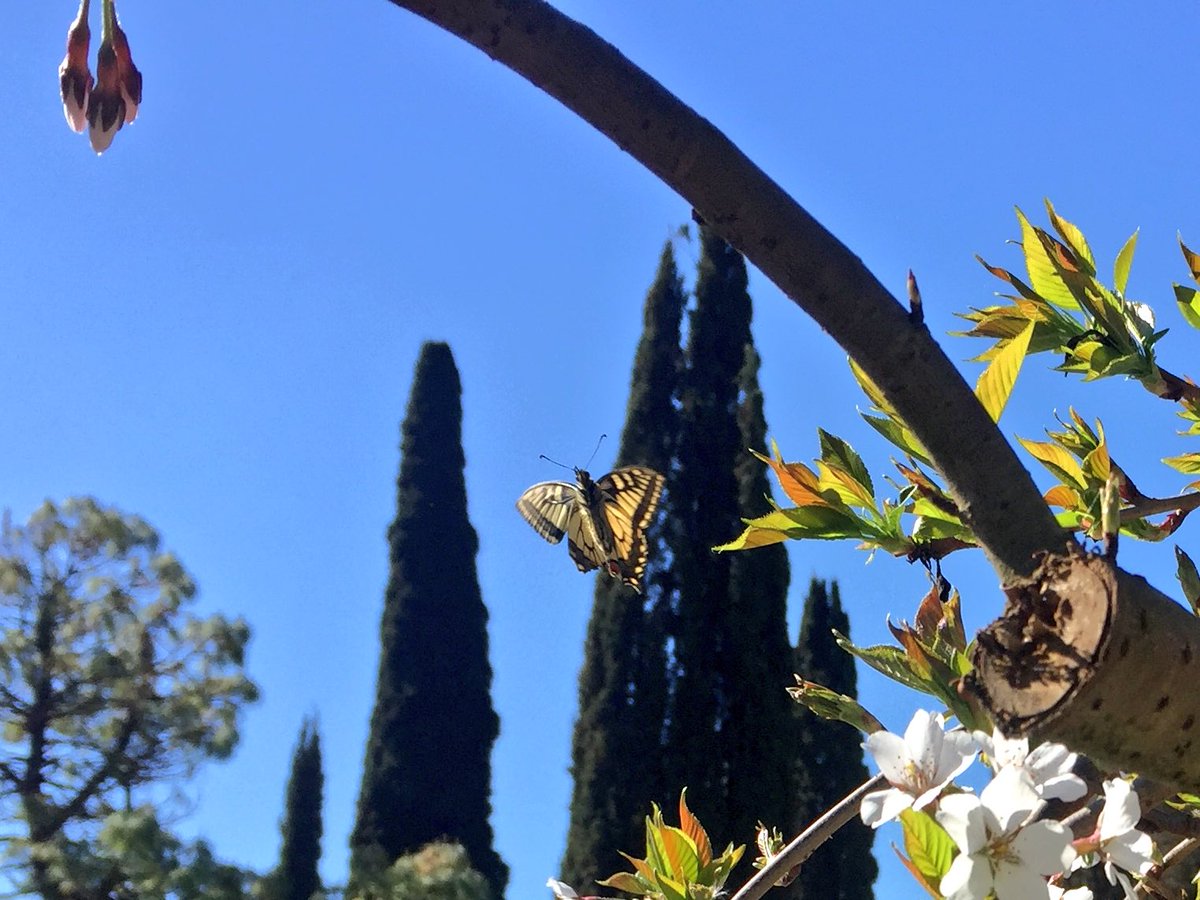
point(118, 88)
point(106, 112)
point(75, 79)
point(127, 73)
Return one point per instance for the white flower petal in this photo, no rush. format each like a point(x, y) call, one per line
point(962, 817)
point(924, 737)
point(1010, 797)
point(1019, 882)
point(883, 806)
point(1121, 809)
point(968, 878)
point(1132, 851)
point(891, 755)
point(561, 891)
point(1044, 847)
point(1062, 787)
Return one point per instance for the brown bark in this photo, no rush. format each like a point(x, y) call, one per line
point(1130, 653)
point(1098, 659)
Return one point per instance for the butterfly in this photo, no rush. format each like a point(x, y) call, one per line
point(604, 520)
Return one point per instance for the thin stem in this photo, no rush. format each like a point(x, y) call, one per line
point(802, 847)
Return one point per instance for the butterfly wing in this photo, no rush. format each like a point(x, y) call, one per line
point(628, 499)
point(551, 507)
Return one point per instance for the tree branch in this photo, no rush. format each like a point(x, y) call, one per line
point(590, 77)
point(802, 847)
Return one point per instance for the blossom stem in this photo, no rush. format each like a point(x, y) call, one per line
point(802, 847)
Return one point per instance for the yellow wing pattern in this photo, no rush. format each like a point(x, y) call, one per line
point(604, 520)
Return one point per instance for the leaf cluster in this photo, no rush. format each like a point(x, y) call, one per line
point(679, 862)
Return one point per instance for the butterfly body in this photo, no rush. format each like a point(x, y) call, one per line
point(605, 519)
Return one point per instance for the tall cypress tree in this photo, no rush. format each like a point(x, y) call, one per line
point(727, 618)
point(427, 772)
point(831, 757)
point(760, 749)
point(297, 876)
point(615, 763)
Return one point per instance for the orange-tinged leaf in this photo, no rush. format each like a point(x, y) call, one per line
point(1061, 495)
point(681, 854)
point(1056, 456)
point(1192, 259)
point(1073, 236)
point(846, 485)
point(798, 481)
point(693, 829)
point(1004, 275)
point(623, 881)
point(996, 382)
point(915, 873)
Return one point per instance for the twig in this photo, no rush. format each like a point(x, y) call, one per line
point(802, 847)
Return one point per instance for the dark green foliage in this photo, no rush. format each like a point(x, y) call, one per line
point(427, 773)
point(730, 652)
point(831, 757)
point(297, 876)
point(615, 762)
point(760, 746)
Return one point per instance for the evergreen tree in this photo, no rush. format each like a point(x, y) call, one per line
point(728, 619)
point(760, 749)
point(297, 876)
point(831, 757)
point(615, 763)
point(427, 773)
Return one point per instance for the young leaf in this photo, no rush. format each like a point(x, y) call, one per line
point(693, 829)
point(1193, 260)
point(1189, 304)
point(1043, 274)
point(834, 449)
point(1124, 262)
point(996, 383)
point(1074, 238)
point(1188, 463)
point(830, 704)
point(1189, 579)
point(929, 846)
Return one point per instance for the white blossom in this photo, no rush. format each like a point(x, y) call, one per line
point(561, 891)
point(1001, 852)
point(1049, 765)
point(1122, 846)
point(918, 766)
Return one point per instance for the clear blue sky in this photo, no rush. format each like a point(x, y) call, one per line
point(214, 324)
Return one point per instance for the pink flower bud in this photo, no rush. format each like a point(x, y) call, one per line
point(106, 112)
point(75, 79)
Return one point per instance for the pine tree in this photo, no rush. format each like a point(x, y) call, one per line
point(427, 773)
point(831, 757)
point(615, 763)
point(297, 876)
point(727, 619)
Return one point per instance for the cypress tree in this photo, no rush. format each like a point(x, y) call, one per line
point(728, 618)
point(615, 760)
point(831, 757)
point(297, 876)
point(761, 744)
point(427, 773)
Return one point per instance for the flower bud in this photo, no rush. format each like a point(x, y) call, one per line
point(75, 79)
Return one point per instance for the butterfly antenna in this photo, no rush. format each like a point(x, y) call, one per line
point(594, 452)
point(555, 461)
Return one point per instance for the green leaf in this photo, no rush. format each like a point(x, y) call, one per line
point(1073, 237)
point(887, 660)
point(928, 845)
point(1189, 304)
point(996, 383)
point(681, 854)
point(1189, 579)
point(1188, 463)
point(1043, 274)
point(834, 449)
point(1124, 262)
point(829, 704)
point(899, 436)
point(1061, 463)
point(624, 881)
